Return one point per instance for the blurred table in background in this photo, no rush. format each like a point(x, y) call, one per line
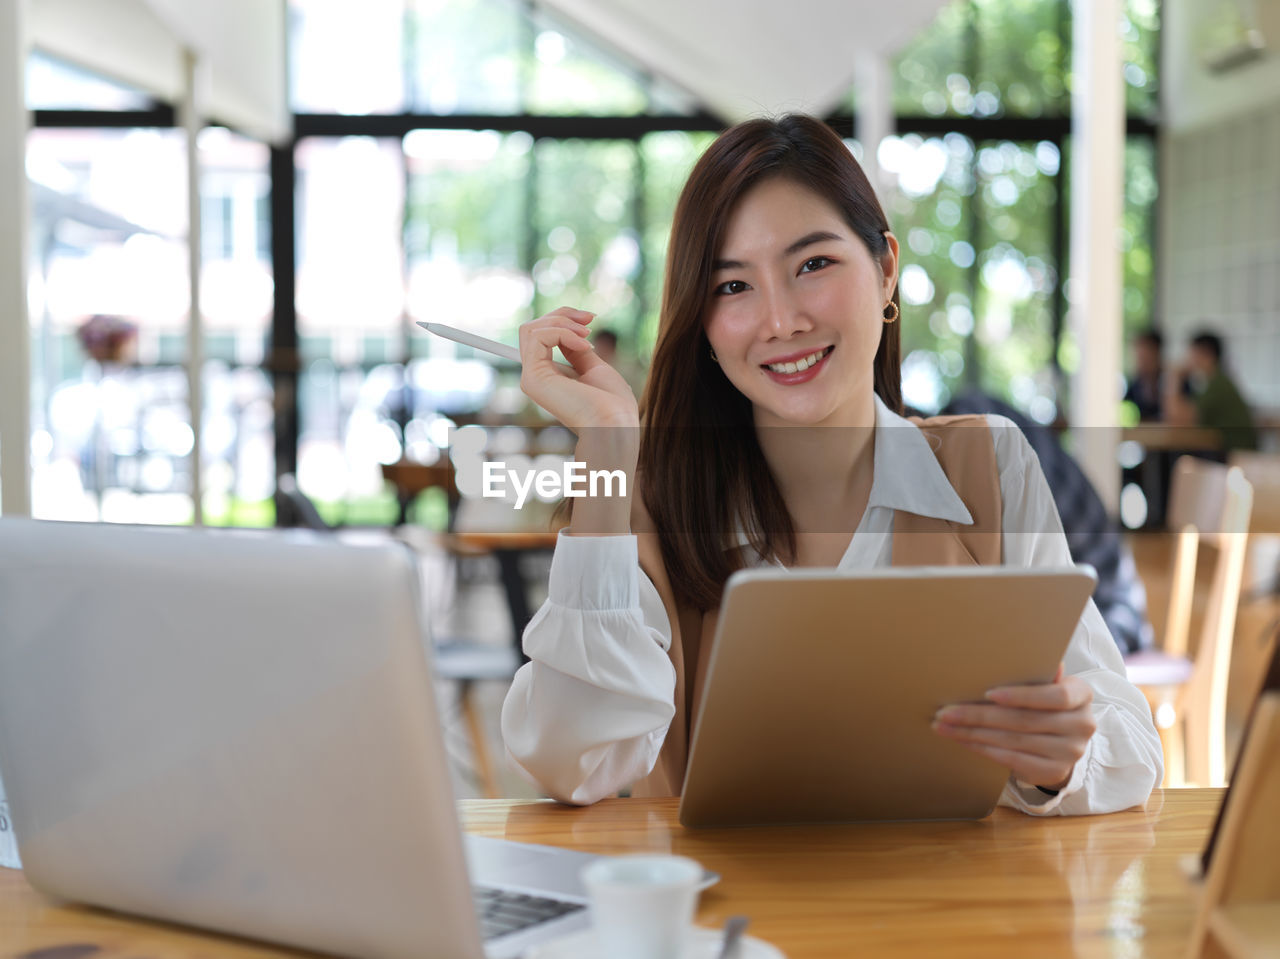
point(410, 479)
point(506, 534)
point(1163, 436)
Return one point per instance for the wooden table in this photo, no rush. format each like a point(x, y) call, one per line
point(1109, 886)
point(1165, 436)
point(410, 479)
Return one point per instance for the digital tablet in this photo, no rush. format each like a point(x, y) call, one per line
point(822, 685)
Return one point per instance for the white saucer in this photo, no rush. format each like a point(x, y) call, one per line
point(705, 945)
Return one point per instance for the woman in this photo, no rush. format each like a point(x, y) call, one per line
point(778, 328)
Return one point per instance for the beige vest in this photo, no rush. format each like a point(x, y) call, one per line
point(967, 455)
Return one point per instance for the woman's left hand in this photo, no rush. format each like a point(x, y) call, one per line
point(1039, 732)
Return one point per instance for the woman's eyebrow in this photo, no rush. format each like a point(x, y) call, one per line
point(817, 236)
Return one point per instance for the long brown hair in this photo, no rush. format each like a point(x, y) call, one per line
point(702, 472)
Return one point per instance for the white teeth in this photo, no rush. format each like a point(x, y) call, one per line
point(799, 365)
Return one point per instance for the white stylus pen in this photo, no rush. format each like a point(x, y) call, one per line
point(478, 342)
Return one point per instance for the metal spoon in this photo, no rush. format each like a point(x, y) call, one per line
point(733, 929)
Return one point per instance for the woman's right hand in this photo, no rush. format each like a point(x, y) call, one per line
point(594, 395)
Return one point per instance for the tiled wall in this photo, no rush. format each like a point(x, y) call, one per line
point(1220, 245)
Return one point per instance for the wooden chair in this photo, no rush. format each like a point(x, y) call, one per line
point(1258, 625)
point(1262, 470)
point(1239, 915)
point(465, 661)
point(1209, 505)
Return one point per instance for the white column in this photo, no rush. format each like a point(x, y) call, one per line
point(874, 113)
point(189, 114)
point(1097, 205)
point(15, 324)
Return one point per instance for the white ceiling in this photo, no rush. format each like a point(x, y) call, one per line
point(738, 57)
point(240, 43)
point(744, 58)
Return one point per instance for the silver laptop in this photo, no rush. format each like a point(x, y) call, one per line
point(238, 731)
point(822, 684)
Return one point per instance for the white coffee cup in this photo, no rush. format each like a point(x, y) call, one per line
point(643, 905)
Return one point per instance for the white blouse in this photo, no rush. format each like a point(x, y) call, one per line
point(588, 715)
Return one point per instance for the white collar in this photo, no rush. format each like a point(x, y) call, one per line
point(907, 475)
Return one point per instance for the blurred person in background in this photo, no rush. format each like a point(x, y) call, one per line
point(1145, 392)
point(605, 343)
point(1200, 393)
point(606, 346)
point(1145, 388)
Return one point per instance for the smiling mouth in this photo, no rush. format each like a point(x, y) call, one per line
point(800, 365)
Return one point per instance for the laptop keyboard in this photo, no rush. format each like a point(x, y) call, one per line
point(502, 912)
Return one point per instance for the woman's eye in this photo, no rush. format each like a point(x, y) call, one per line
point(815, 263)
point(730, 287)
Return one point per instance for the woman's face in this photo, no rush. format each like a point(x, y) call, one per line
point(796, 308)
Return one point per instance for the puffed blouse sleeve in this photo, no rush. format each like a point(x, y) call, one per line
point(587, 715)
point(1123, 761)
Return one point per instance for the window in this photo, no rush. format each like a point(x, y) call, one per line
point(54, 85)
point(481, 161)
point(981, 210)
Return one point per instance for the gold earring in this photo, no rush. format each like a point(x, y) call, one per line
point(714, 358)
point(890, 312)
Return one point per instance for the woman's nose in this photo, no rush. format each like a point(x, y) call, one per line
point(784, 314)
